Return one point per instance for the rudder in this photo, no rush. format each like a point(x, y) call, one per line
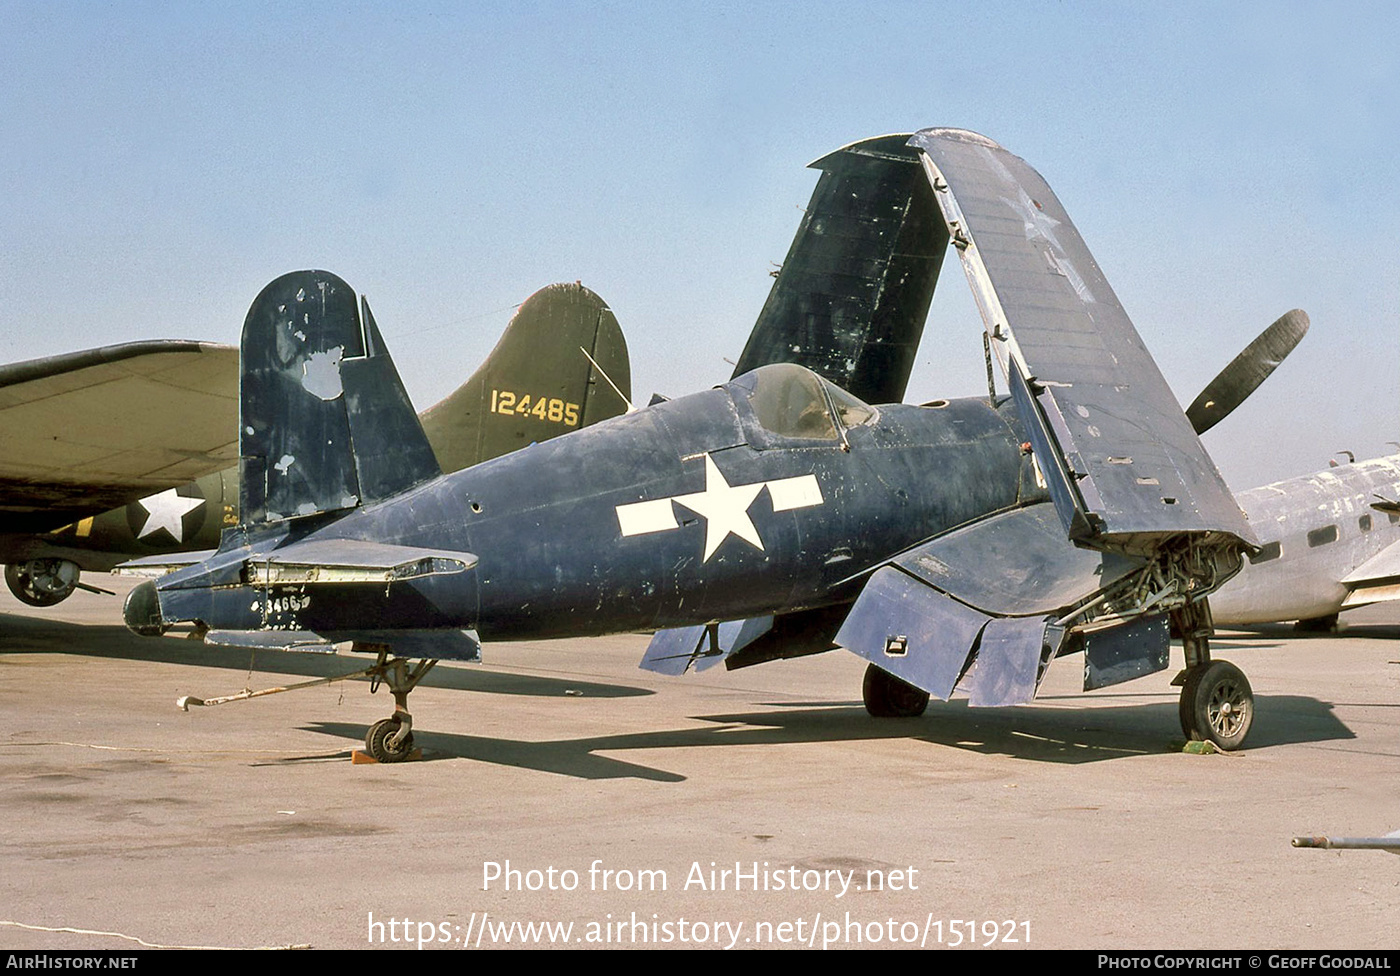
point(324, 421)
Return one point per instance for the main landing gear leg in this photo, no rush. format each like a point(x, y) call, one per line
point(1217, 704)
point(391, 739)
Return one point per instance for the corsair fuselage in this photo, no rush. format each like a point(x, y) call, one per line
point(690, 510)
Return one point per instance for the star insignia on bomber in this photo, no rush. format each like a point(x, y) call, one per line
point(167, 510)
point(725, 507)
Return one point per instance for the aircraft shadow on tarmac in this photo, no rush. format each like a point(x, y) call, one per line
point(1248, 636)
point(1057, 735)
point(1040, 734)
point(30, 635)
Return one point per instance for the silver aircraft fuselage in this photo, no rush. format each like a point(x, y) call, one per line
point(1315, 530)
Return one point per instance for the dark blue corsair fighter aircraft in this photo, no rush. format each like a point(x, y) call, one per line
point(960, 543)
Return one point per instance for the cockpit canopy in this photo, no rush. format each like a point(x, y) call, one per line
point(791, 401)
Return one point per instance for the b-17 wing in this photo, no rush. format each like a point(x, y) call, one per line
point(88, 431)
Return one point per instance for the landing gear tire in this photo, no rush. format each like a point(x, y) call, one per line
point(888, 697)
point(1217, 705)
point(42, 582)
point(379, 742)
point(1317, 625)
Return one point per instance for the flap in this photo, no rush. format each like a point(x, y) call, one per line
point(1014, 564)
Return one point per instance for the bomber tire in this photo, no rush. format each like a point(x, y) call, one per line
point(23, 585)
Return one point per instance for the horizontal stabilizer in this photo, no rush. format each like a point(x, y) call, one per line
point(353, 561)
point(1125, 468)
point(455, 645)
point(162, 564)
point(445, 644)
point(270, 640)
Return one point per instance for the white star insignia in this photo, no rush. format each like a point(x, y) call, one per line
point(725, 507)
point(167, 511)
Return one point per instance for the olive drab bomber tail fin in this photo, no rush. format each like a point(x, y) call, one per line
point(538, 382)
point(324, 422)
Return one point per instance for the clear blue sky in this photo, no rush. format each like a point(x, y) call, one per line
point(1224, 162)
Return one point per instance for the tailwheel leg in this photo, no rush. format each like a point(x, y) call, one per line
point(391, 739)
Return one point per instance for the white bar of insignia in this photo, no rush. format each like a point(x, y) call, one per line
point(642, 517)
point(790, 493)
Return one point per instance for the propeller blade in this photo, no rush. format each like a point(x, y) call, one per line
point(1247, 370)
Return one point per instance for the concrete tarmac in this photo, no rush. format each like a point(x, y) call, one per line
point(561, 786)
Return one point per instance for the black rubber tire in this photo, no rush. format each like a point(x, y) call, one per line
point(889, 697)
point(1217, 705)
point(377, 742)
point(1317, 625)
point(22, 586)
point(1186, 710)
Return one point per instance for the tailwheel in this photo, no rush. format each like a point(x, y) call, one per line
point(391, 739)
point(1217, 704)
point(384, 742)
point(889, 697)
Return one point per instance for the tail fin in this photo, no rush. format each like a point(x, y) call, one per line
point(536, 384)
point(851, 298)
point(324, 421)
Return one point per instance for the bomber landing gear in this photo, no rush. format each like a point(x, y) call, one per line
point(889, 697)
point(42, 582)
